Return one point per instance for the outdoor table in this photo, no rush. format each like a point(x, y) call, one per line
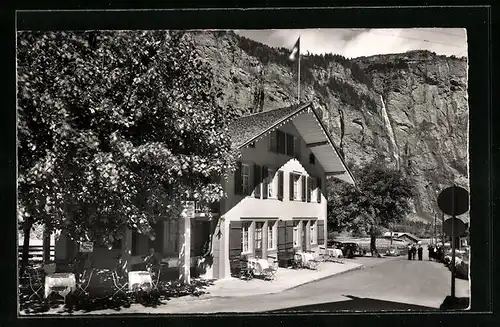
point(61, 283)
point(170, 262)
point(336, 253)
point(140, 278)
point(306, 256)
point(258, 265)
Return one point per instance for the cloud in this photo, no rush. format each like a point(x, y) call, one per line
point(365, 42)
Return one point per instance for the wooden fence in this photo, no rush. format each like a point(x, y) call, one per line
point(36, 253)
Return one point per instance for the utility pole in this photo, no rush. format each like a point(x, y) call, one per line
point(435, 227)
point(442, 227)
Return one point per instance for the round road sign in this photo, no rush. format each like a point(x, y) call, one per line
point(454, 200)
point(459, 227)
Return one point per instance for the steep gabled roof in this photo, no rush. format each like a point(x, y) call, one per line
point(410, 235)
point(246, 129)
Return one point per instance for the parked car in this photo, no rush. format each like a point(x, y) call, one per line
point(349, 249)
point(332, 243)
point(352, 249)
point(393, 252)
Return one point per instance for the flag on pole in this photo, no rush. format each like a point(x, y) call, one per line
point(296, 53)
point(296, 50)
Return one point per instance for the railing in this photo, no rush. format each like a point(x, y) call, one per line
point(36, 253)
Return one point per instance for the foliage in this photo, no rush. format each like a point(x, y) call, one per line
point(380, 199)
point(94, 301)
point(324, 60)
point(309, 62)
point(388, 65)
point(349, 95)
point(418, 228)
point(115, 129)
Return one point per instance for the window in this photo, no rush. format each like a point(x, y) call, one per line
point(313, 235)
point(257, 182)
point(312, 159)
point(312, 189)
point(289, 144)
point(273, 145)
point(245, 177)
point(281, 142)
point(245, 237)
point(302, 226)
point(271, 184)
point(271, 234)
point(296, 187)
point(318, 189)
point(258, 235)
point(296, 235)
point(197, 206)
point(117, 244)
point(297, 146)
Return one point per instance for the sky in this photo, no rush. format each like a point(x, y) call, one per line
point(357, 42)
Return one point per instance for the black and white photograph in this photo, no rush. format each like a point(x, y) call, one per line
point(171, 171)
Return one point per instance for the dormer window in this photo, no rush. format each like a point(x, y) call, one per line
point(312, 159)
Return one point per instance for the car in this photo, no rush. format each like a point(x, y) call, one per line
point(352, 249)
point(349, 249)
point(393, 252)
point(336, 244)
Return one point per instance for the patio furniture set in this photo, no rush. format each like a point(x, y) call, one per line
point(44, 277)
point(247, 268)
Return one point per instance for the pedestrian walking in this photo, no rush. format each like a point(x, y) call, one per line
point(413, 252)
point(420, 252)
point(409, 252)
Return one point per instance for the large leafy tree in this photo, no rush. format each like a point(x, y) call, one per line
point(115, 128)
point(380, 199)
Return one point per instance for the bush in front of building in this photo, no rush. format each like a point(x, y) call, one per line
point(108, 300)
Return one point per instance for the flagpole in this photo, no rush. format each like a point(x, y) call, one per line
point(298, 81)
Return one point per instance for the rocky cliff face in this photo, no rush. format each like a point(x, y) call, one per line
point(408, 109)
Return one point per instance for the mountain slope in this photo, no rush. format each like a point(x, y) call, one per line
point(408, 109)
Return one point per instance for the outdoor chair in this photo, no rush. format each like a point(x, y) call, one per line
point(33, 277)
point(270, 272)
point(83, 281)
point(245, 271)
point(297, 261)
point(313, 264)
point(155, 272)
point(234, 264)
point(120, 283)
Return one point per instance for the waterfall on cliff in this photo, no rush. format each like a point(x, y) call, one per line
point(390, 132)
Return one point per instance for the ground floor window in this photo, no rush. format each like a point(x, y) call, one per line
point(271, 235)
point(245, 237)
point(313, 235)
point(258, 235)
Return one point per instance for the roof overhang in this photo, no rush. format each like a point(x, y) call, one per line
point(317, 139)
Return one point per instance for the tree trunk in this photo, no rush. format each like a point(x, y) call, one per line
point(373, 244)
point(26, 243)
point(46, 245)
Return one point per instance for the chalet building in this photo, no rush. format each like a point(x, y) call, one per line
point(404, 236)
point(275, 199)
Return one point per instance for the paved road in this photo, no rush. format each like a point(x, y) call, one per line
point(391, 285)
